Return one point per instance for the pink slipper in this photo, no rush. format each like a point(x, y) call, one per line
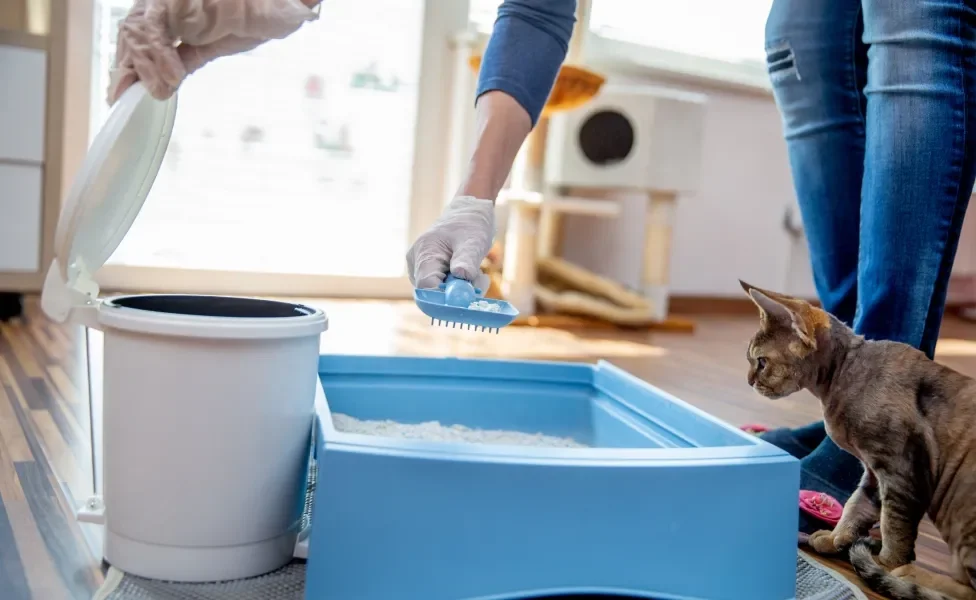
point(754, 429)
point(821, 506)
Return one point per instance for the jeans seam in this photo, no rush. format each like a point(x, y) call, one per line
point(853, 63)
point(957, 177)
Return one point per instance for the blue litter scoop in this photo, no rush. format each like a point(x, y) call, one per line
point(451, 303)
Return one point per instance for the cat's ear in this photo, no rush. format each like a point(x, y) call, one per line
point(747, 287)
point(774, 309)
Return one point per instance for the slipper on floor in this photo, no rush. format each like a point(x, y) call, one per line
point(821, 506)
point(754, 428)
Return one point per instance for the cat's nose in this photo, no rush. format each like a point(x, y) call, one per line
point(751, 377)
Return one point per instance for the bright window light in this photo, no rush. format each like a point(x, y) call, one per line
point(726, 30)
point(731, 31)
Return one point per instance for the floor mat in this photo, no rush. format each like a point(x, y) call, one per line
point(813, 582)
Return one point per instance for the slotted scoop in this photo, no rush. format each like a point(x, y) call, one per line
point(449, 306)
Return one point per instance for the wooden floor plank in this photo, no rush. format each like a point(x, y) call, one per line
point(64, 385)
point(17, 342)
point(13, 578)
point(63, 462)
point(71, 559)
point(42, 579)
point(67, 425)
point(42, 339)
point(10, 430)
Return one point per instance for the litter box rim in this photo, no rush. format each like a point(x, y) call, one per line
point(751, 451)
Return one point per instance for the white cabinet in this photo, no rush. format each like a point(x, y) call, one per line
point(21, 200)
point(23, 72)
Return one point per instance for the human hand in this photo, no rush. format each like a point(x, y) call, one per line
point(160, 42)
point(457, 243)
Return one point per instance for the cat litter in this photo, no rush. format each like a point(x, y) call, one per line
point(435, 431)
point(484, 305)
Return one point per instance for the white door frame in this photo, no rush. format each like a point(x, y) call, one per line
point(442, 21)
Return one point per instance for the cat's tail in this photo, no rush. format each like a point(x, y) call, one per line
point(883, 582)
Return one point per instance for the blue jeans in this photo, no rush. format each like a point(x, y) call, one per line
point(878, 100)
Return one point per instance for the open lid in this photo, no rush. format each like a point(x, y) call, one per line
point(106, 196)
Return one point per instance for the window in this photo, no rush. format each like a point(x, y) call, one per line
point(670, 35)
point(296, 159)
point(730, 31)
point(483, 13)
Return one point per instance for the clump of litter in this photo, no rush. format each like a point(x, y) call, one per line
point(485, 306)
point(435, 432)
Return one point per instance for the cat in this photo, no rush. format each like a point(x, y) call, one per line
point(909, 420)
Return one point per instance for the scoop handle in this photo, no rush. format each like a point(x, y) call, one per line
point(459, 292)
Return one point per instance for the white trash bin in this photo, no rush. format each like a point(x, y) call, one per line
point(208, 400)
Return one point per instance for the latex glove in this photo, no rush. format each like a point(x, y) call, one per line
point(160, 42)
point(457, 243)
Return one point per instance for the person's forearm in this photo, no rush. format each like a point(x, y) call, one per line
point(502, 126)
point(526, 49)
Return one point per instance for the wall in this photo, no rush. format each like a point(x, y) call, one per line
point(27, 16)
point(732, 229)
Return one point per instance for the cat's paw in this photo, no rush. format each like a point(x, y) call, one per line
point(824, 542)
point(906, 572)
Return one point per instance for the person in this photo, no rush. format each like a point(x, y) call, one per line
point(161, 42)
point(878, 103)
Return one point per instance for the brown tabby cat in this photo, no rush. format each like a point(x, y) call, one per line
point(908, 419)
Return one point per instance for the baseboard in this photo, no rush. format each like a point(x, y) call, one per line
point(698, 305)
point(713, 305)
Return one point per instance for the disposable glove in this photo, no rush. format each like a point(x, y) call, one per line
point(160, 42)
point(457, 243)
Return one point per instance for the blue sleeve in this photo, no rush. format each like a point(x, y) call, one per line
point(528, 45)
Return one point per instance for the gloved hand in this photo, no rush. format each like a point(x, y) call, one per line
point(147, 47)
point(457, 243)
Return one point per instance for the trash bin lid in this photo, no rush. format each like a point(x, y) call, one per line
point(106, 196)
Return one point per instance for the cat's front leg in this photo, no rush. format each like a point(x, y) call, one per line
point(904, 502)
point(861, 512)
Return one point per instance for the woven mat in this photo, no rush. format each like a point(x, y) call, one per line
point(813, 582)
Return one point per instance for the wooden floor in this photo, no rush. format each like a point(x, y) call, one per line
point(45, 449)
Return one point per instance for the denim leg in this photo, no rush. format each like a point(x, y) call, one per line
point(919, 163)
point(818, 68)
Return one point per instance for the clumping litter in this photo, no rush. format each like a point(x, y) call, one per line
point(436, 432)
point(485, 306)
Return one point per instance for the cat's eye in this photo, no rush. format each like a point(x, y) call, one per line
point(760, 363)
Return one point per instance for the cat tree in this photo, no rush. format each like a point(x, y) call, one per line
point(526, 269)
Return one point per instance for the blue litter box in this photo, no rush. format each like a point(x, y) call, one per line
point(667, 502)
